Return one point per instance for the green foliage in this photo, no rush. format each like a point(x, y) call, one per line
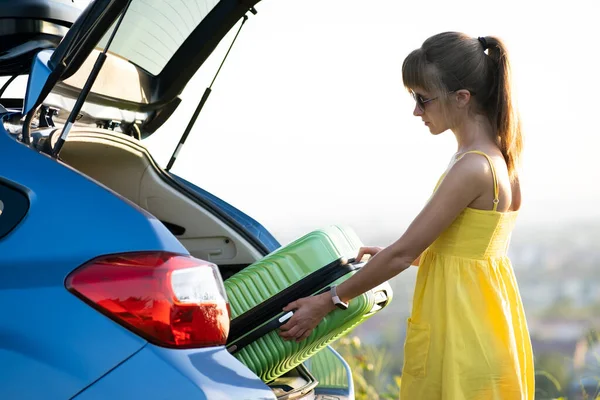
point(558, 378)
point(376, 371)
point(370, 367)
point(552, 375)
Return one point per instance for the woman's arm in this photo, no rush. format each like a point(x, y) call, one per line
point(464, 183)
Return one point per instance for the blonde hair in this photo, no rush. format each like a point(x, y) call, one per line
point(451, 61)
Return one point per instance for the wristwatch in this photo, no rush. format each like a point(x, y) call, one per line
point(336, 300)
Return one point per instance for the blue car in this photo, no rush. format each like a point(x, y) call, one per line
point(112, 267)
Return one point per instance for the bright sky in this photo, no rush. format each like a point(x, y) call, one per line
point(309, 124)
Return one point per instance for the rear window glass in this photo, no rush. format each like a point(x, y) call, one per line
point(153, 30)
point(13, 207)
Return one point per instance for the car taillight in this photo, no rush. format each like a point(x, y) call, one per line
point(170, 300)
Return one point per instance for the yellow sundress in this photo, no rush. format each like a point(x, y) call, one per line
point(467, 336)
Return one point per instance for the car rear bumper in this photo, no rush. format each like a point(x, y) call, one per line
point(158, 373)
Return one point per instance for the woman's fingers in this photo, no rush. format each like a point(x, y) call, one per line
point(292, 333)
point(367, 250)
point(304, 335)
point(309, 312)
point(290, 324)
point(361, 253)
point(292, 306)
point(298, 335)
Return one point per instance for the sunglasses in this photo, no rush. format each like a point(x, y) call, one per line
point(421, 101)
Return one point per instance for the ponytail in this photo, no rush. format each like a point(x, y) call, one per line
point(501, 108)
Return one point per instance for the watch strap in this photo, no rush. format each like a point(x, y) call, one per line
point(336, 300)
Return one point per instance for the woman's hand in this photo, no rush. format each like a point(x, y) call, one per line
point(371, 251)
point(308, 312)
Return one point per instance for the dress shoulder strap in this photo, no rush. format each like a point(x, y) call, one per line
point(496, 190)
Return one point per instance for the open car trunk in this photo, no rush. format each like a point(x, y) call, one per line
point(124, 165)
point(134, 57)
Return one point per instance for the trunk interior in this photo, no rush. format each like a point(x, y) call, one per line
point(123, 164)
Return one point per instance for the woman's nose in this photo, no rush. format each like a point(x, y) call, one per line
point(417, 112)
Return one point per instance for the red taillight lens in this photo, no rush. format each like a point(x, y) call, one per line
point(169, 299)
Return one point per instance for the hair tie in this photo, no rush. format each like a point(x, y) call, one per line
point(483, 42)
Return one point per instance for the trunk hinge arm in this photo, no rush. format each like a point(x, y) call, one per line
point(207, 92)
point(87, 87)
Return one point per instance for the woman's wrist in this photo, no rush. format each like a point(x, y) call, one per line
point(327, 302)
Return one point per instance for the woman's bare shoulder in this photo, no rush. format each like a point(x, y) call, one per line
point(472, 168)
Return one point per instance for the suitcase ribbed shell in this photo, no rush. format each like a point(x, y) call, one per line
point(270, 356)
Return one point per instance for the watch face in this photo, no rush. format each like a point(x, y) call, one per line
point(342, 306)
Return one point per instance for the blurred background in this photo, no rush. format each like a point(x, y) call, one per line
point(309, 124)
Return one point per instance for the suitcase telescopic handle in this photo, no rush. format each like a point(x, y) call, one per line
point(270, 326)
point(270, 308)
point(269, 312)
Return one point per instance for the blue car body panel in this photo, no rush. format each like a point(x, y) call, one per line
point(157, 373)
point(52, 344)
point(58, 339)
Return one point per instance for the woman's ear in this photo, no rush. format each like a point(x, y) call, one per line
point(463, 98)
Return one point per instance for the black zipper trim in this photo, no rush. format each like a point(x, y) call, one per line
point(270, 308)
point(255, 335)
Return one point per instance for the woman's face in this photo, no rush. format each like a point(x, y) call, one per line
point(428, 107)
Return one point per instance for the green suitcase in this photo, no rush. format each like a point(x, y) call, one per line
point(308, 265)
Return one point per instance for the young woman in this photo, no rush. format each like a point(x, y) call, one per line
point(467, 336)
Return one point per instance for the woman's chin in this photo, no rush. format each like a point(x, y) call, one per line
point(434, 131)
